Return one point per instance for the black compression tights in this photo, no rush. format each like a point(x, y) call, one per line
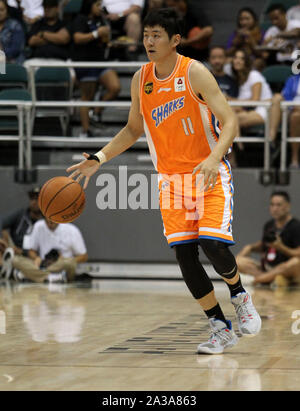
point(193, 273)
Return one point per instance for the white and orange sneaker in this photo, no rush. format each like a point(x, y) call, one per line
point(249, 321)
point(222, 337)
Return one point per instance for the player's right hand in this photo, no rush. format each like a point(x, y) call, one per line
point(84, 169)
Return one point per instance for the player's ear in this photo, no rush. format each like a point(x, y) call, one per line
point(176, 39)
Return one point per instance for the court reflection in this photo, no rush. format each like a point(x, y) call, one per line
point(224, 374)
point(50, 313)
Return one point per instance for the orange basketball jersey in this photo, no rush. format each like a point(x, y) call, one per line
point(180, 128)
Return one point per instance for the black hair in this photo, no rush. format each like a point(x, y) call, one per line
point(277, 6)
point(167, 18)
point(248, 10)
point(86, 6)
point(50, 3)
point(283, 194)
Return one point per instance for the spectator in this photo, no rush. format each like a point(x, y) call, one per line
point(32, 9)
point(217, 60)
point(91, 33)
point(125, 18)
point(197, 30)
point(293, 13)
point(246, 36)
point(282, 35)
point(49, 36)
point(279, 247)
point(252, 86)
point(54, 250)
point(290, 92)
point(12, 37)
point(19, 223)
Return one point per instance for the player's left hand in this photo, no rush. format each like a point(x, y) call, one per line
point(209, 168)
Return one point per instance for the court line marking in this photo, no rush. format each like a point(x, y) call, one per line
point(9, 377)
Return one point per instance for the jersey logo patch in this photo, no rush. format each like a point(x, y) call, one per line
point(148, 87)
point(179, 84)
point(163, 112)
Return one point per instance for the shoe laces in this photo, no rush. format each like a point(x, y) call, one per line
point(245, 311)
point(223, 335)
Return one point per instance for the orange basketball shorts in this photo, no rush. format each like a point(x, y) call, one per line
point(189, 213)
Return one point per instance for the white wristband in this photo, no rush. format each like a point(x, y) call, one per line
point(101, 156)
point(95, 34)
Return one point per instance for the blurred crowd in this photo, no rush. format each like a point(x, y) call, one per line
point(33, 31)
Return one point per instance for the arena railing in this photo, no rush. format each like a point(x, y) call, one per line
point(285, 106)
point(25, 144)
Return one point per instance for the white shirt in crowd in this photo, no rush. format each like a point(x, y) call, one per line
point(287, 43)
point(245, 90)
point(66, 239)
point(32, 8)
point(119, 6)
point(293, 13)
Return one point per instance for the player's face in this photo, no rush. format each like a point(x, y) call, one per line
point(157, 43)
point(238, 61)
point(51, 12)
point(217, 59)
point(246, 20)
point(278, 19)
point(279, 207)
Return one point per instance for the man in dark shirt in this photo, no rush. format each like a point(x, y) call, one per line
point(49, 37)
point(279, 247)
point(196, 31)
point(217, 60)
point(16, 225)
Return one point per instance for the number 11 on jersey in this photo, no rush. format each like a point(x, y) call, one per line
point(187, 126)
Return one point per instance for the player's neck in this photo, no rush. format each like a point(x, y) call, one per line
point(165, 67)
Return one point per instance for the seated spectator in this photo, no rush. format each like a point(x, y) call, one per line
point(125, 18)
point(293, 13)
point(246, 36)
point(18, 224)
point(282, 35)
point(49, 36)
point(32, 10)
point(91, 33)
point(12, 37)
point(252, 86)
point(197, 30)
point(279, 247)
point(290, 92)
point(54, 250)
point(217, 60)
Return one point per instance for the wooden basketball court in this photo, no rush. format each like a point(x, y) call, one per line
point(140, 335)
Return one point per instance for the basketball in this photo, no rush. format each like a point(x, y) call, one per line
point(61, 199)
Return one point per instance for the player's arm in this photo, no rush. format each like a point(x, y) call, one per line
point(120, 143)
point(204, 84)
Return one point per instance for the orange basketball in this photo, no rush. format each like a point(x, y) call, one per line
point(61, 199)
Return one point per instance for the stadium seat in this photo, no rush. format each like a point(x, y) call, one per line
point(73, 7)
point(6, 122)
point(53, 84)
point(276, 76)
point(15, 76)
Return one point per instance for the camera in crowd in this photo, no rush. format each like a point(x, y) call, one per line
point(270, 237)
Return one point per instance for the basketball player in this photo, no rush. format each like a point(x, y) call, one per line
point(177, 102)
